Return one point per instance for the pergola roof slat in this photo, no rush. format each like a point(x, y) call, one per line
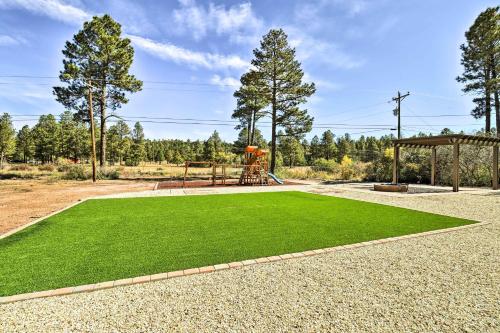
point(441, 140)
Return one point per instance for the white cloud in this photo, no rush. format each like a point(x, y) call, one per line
point(178, 54)
point(225, 82)
point(55, 9)
point(239, 21)
point(310, 48)
point(310, 11)
point(385, 26)
point(321, 84)
point(58, 10)
point(354, 7)
point(6, 40)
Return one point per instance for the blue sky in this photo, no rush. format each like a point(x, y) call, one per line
point(359, 53)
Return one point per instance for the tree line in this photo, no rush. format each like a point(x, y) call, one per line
point(67, 137)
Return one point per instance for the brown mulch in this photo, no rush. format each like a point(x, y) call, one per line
point(22, 201)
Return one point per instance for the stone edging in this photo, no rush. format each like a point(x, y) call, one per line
point(214, 268)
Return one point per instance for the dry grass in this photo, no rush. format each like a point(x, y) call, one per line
point(143, 171)
point(308, 172)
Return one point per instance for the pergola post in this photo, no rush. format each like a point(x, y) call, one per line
point(433, 166)
point(395, 165)
point(495, 167)
point(456, 167)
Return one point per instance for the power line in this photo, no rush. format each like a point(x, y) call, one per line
point(437, 116)
point(235, 122)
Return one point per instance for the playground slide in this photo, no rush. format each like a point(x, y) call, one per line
point(276, 179)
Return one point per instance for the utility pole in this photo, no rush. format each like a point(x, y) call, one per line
point(397, 111)
point(92, 129)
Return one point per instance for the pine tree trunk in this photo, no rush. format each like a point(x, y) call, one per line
point(102, 144)
point(487, 102)
point(488, 111)
point(249, 128)
point(273, 132)
point(253, 129)
point(497, 112)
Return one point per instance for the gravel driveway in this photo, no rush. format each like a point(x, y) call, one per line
point(442, 283)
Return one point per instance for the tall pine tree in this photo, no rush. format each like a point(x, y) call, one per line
point(281, 75)
point(252, 98)
point(100, 55)
point(481, 62)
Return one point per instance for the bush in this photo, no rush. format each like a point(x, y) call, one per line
point(17, 176)
point(322, 164)
point(76, 172)
point(64, 167)
point(63, 164)
point(20, 167)
point(346, 168)
point(79, 172)
point(109, 174)
point(46, 167)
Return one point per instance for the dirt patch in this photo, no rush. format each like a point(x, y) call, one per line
point(22, 201)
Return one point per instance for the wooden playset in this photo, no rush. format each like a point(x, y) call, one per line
point(254, 170)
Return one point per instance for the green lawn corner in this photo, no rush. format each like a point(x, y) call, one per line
point(109, 239)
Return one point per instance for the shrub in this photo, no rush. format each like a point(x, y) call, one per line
point(20, 167)
point(15, 175)
point(346, 168)
point(322, 164)
point(108, 174)
point(46, 167)
point(64, 167)
point(76, 172)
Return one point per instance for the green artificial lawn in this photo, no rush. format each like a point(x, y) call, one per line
point(101, 240)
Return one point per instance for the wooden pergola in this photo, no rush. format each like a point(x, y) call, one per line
point(454, 140)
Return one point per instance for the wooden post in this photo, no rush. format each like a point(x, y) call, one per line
point(186, 165)
point(495, 167)
point(92, 130)
point(433, 166)
point(456, 166)
point(214, 174)
point(395, 165)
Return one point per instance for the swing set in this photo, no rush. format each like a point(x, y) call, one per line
point(254, 170)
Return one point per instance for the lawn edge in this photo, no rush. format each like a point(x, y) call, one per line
point(214, 268)
point(40, 219)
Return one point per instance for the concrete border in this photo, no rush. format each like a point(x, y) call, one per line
point(218, 267)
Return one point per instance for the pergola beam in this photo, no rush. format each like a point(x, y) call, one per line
point(495, 167)
point(433, 166)
point(456, 166)
point(395, 165)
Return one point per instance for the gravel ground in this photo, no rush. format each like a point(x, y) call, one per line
point(441, 283)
